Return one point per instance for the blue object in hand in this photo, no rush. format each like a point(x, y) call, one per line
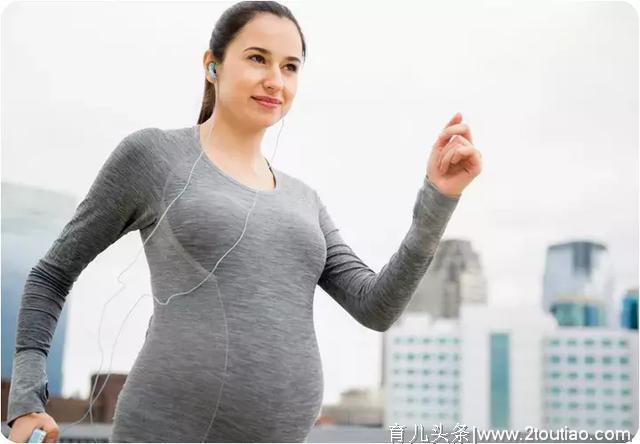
point(37, 435)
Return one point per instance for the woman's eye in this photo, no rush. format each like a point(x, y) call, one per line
point(294, 67)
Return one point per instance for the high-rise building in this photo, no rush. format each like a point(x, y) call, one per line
point(423, 368)
point(31, 220)
point(510, 368)
point(591, 379)
point(578, 285)
point(481, 370)
point(453, 278)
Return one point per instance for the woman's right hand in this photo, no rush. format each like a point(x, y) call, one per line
point(24, 426)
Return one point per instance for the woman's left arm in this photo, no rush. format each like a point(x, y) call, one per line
point(377, 300)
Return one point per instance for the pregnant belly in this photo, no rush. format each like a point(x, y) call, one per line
point(266, 387)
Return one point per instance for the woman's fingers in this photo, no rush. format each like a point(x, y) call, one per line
point(461, 129)
point(455, 141)
point(460, 151)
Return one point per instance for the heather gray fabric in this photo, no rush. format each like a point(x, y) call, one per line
point(269, 385)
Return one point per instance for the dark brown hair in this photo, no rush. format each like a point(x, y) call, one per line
point(227, 27)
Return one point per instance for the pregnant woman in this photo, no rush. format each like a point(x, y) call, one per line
point(235, 249)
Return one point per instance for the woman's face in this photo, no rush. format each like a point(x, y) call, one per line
point(247, 73)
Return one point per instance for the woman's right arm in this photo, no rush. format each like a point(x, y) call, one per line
point(120, 200)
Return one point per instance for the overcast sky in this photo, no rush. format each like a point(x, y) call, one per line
point(550, 91)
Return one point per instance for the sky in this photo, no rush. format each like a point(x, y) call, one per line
point(549, 90)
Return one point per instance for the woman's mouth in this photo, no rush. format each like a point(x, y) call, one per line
point(266, 104)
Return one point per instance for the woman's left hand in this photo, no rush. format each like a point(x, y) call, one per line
point(454, 161)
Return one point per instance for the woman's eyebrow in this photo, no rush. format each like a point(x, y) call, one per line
point(266, 51)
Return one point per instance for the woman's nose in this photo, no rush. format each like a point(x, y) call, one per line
point(274, 81)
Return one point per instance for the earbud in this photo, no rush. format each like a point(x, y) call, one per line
point(212, 71)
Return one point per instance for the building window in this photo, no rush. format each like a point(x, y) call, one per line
point(572, 359)
point(589, 359)
point(606, 342)
point(554, 359)
point(589, 375)
point(500, 385)
point(589, 342)
point(624, 360)
point(607, 360)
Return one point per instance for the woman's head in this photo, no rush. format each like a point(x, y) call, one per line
point(245, 73)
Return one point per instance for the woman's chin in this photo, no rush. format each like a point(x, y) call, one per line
point(266, 120)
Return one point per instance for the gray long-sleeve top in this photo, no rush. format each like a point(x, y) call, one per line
point(241, 348)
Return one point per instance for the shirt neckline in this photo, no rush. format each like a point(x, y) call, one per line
point(195, 130)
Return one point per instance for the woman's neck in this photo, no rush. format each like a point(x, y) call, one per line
point(234, 143)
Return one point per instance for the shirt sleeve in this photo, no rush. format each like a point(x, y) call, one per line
point(119, 201)
point(377, 300)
